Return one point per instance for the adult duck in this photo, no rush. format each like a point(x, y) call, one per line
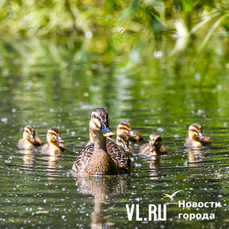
point(103, 156)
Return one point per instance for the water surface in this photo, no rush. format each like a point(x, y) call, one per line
point(39, 191)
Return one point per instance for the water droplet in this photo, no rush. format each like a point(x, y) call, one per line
point(4, 119)
point(88, 35)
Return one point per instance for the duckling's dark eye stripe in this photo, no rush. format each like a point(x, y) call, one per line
point(123, 128)
point(52, 133)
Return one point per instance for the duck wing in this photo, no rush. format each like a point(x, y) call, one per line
point(119, 156)
point(83, 159)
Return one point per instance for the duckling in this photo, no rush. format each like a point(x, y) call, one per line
point(123, 141)
point(29, 139)
point(154, 147)
point(103, 156)
point(54, 140)
point(195, 137)
point(134, 136)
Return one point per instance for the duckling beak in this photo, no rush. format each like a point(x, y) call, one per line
point(59, 139)
point(200, 134)
point(125, 147)
point(31, 138)
point(132, 133)
point(106, 131)
point(152, 147)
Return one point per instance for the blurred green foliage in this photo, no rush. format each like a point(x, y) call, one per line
point(59, 32)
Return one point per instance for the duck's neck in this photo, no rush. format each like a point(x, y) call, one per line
point(53, 146)
point(99, 141)
point(91, 137)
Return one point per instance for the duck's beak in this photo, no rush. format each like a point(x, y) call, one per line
point(132, 133)
point(31, 138)
point(106, 131)
point(152, 147)
point(59, 139)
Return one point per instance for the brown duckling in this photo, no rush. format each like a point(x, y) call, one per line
point(195, 137)
point(29, 139)
point(154, 147)
point(124, 128)
point(123, 141)
point(103, 156)
point(55, 141)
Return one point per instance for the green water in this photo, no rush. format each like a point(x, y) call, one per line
point(39, 190)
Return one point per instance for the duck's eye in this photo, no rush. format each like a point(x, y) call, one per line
point(94, 116)
point(27, 131)
point(193, 130)
point(123, 128)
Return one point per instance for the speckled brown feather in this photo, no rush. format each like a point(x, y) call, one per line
point(83, 159)
point(118, 155)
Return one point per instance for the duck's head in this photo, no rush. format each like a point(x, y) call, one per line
point(53, 136)
point(195, 132)
point(29, 133)
point(124, 128)
point(123, 141)
point(99, 122)
point(155, 142)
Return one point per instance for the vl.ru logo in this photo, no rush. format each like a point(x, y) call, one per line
point(155, 212)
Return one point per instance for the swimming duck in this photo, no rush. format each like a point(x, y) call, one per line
point(123, 141)
point(54, 140)
point(154, 147)
point(134, 136)
point(103, 156)
point(195, 137)
point(29, 139)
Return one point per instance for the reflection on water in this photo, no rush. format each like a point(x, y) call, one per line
point(102, 189)
point(29, 157)
point(196, 156)
point(154, 162)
